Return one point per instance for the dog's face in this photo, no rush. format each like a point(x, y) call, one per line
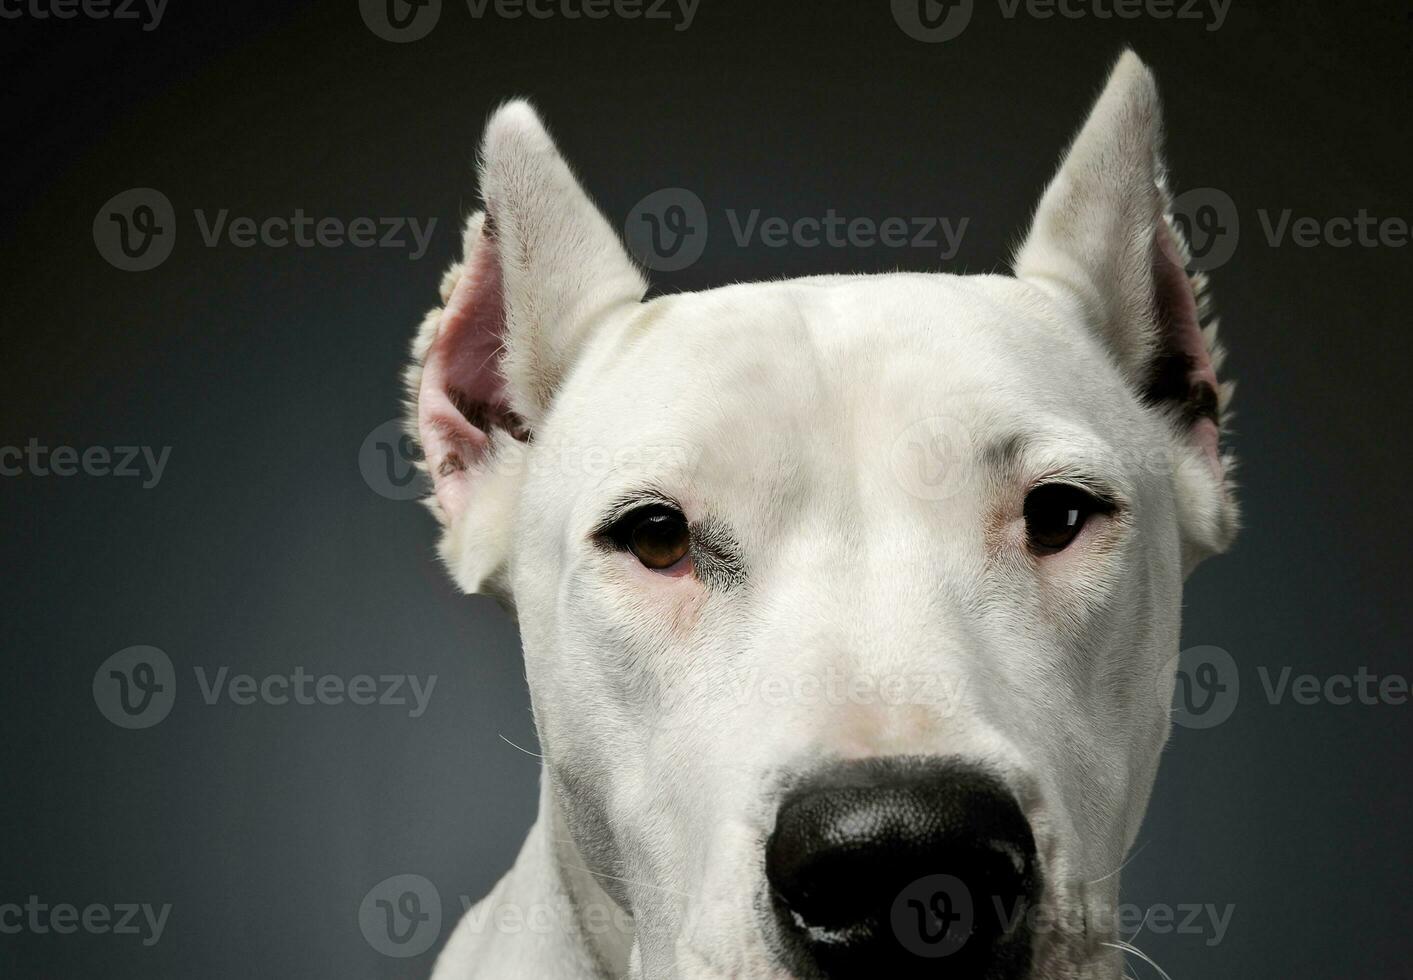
point(849, 604)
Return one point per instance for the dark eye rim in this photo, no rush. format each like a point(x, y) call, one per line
point(617, 531)
point(1095, 502)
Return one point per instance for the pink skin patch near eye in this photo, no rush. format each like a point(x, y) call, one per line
point(680, 568)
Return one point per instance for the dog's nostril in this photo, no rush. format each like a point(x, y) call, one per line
point(904, 867)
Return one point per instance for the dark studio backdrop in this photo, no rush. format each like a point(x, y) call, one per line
point(268, 531)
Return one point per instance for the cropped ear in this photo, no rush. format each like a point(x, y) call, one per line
point(1104, 242)
point(541, 267)
point(562, 264)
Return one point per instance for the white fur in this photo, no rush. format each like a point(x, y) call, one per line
point(783, 410)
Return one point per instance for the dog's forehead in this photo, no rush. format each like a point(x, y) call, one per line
point(754, 377)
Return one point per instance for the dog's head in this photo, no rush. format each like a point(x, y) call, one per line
point(849, 604)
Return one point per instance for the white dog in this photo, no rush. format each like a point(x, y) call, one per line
point(850, 604)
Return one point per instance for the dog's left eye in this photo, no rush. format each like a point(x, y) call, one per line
point(1055, 513)
point(657, 535)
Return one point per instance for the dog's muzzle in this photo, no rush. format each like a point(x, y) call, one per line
point(903, 867)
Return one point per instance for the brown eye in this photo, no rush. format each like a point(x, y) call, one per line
point(1055, 513)
point(657, 535)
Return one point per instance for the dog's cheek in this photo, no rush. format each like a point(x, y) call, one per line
point(1080, 582)
point(590, 825)
point(671, 597)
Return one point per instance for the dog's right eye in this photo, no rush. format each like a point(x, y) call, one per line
point(1055, 513)
point(657, 535)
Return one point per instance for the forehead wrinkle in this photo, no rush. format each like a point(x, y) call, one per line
point(1004, 454)
point(840, 368)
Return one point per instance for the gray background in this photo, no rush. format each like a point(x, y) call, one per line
point(264, 369)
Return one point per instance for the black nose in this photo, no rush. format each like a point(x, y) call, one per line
point(903, 867)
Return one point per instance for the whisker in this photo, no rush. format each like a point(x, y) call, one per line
point(1127, 861)
point(1130, 948)
point(1141, 925)
point(521, 748)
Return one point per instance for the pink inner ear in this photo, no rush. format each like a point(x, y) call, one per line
point(1185, 374)
point(463, 394)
